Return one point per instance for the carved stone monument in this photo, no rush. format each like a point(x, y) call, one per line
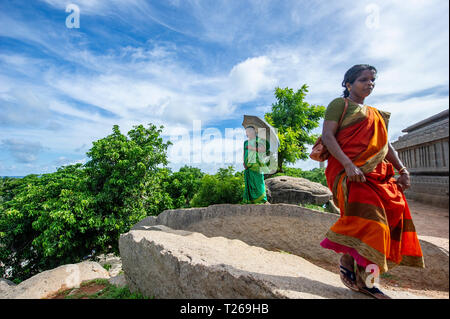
point(424, 151)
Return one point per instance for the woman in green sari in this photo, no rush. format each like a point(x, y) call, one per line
point(255, 189)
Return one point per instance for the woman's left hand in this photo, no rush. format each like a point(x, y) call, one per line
point(404, 181)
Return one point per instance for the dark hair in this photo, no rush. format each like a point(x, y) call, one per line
point(352, 74)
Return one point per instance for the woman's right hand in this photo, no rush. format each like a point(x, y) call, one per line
point(354, 174)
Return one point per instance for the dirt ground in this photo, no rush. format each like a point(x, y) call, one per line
point(82, 292)
point(432, 224)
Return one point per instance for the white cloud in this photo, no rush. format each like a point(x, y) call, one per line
point(300, 42)
point(247, 79)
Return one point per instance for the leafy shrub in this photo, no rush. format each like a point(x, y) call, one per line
point(222, 188)
point(183, 185)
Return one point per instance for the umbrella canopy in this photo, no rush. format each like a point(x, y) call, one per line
point(262, 126)
point(269, 133)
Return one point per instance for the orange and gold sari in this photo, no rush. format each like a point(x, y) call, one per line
point(375, 225)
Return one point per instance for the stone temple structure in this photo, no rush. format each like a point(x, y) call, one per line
point(424, 151)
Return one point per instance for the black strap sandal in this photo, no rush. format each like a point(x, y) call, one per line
point(350, 276)
point(373, 292)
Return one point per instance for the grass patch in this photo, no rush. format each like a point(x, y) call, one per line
point(98, 289)
point(315, 207)
point(107, 266)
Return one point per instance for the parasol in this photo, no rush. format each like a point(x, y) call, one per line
point(269, 133)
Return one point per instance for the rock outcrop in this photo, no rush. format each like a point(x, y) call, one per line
point(296, 190)
point(165, 263)
point(274, 228)
point(50, 281)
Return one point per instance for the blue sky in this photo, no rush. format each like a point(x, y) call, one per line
point(180, 62)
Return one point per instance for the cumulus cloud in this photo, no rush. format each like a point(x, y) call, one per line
point(219, 61)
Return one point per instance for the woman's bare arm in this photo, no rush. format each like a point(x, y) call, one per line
point(392, 157)
point(403, 181)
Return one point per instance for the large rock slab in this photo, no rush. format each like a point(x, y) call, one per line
point(6, 286)
point(50, 281)
point(297, 230)
point(165, 263)
point(296, 190)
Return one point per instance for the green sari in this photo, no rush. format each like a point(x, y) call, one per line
point(255, 189)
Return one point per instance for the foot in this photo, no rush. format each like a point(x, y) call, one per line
point(347, 272)
point(374, 291)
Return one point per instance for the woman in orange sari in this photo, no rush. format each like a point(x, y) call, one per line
point(375, 227)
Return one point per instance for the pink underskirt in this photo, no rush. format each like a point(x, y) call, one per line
point(360, 260)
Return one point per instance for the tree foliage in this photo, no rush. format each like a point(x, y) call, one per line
point(58, 218)
point(181, 186)
point(225, 187)
point(295, 119)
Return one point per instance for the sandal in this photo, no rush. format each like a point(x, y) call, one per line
point(373, 292)
point(350, 276)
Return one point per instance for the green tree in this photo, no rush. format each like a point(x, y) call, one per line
point(49, 222)
point(58, 218)
point(125, 177)
point(295, 119)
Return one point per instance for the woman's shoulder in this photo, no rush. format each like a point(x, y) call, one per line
point(339, 101)
point(335, 109)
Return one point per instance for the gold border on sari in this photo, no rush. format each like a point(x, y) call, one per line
point(362, 248)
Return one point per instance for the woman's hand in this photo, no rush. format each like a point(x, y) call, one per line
point(354, 174)
point(403, 181)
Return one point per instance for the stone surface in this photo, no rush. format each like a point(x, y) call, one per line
point(6, 286)
point(296, 190)
point(118, 280)
point(293, 229)
point(178, 264)
point(50, 281)
point(110, 260)
point(334, 208)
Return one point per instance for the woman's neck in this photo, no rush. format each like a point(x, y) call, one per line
point(358, 100)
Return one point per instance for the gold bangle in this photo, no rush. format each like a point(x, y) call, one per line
point(401, 169)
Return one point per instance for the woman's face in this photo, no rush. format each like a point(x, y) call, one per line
point(363, 85)
point(250, 132)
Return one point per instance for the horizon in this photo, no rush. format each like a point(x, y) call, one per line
point(70, 70)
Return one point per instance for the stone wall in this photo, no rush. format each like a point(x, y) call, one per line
point(424, 151)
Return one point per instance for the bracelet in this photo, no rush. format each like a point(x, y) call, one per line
point(402, 169)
